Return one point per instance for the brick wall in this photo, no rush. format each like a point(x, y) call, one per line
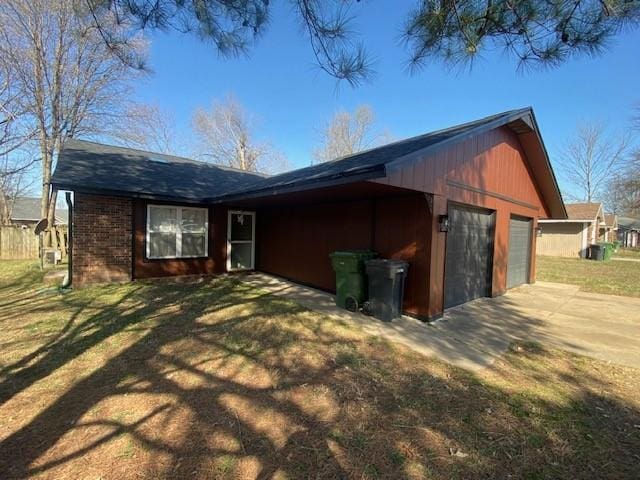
point(101, 239)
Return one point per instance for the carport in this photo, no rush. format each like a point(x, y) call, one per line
point(460, 205)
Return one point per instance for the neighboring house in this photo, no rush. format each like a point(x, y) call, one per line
point(571, 237)
point(460, 205)
point(608, 228)
point(26, 212)
point(629, 231)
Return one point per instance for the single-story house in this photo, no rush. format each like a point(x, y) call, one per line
point(25, 212)
point(608, 228)
point(461, 205)
point(571, 236)
point(629, 232)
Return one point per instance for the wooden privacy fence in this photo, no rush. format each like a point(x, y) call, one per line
point(17, 243)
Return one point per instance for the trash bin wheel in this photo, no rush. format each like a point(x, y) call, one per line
point(351, 304)
point(366, 308)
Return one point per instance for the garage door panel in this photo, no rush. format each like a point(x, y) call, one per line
point(469, 255)
point(519, 252)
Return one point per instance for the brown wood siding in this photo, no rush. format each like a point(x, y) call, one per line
point(214, 263)
point(488, 171)
point(493, 164)
point(402, 232)
point(295, 241)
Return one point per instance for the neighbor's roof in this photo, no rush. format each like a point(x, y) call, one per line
point(90, 166)
point(610, 219)
point(28, 209)
point(94, 167)
point(583, 211)
point(629, 222)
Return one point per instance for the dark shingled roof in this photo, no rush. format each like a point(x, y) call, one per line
point(87, 166)
point(371, 163)
point(629, 223)
point(93, 167)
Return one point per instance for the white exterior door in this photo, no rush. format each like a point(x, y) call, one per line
point(241, 233)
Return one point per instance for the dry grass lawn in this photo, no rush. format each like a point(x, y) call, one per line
point(213, 379)
point(610, 277)
point(627, 253)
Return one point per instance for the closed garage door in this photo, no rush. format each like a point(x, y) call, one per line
point(469, 255)
point(519, 252)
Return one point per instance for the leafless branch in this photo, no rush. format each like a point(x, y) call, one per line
point(348, 133)
point(591, 159)
point(227, 136)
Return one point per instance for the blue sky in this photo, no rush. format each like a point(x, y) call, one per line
point(291, 98)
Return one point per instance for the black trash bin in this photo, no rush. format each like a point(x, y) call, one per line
point(596, 252)
point(386, 287)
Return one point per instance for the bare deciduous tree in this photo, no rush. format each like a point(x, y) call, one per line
point(591, 159)
point(14, 182)
point(14, 132)
point(348, 133)
point(68, 80)
point(623, 189)
point(226, 136)
point(148, 127)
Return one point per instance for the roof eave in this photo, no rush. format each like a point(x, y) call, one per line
point(399, 163)
point(525, 114)
point(536, 129)
point(126, 193)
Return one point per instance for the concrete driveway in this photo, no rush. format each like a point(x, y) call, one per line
point(606, 327)
point(473, 335)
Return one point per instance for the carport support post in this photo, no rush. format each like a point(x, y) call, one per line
point(436, 259)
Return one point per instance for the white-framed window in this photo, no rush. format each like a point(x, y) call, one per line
point(241, 234)
point(177, 232)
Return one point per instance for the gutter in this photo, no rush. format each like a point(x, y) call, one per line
point(126, 194)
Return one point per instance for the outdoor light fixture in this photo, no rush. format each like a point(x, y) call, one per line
point(443, 222)
point(538, 231)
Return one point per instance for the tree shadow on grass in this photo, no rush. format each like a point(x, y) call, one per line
point(216, 380)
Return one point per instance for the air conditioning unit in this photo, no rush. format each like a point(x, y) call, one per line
point(52, 257)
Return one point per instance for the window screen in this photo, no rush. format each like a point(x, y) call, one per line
point(176, 232)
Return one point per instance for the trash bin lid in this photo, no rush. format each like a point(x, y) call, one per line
point(387, 264)
point(360, 254)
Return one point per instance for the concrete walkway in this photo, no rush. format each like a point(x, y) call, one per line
point(473, 335)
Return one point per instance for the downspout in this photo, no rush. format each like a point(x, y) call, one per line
point(66, 282)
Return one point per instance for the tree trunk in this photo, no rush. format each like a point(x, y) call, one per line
point(243, 156)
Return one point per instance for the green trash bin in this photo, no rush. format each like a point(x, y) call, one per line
point(608, 250)
point(351, 282)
